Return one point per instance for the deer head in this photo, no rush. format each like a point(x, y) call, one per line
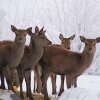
point(20, 34)
point(66, 42)
point(39, 37)
point(90, 44)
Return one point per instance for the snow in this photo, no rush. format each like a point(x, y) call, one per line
point(79, 17)
point(5, 95)
point(88, 88)
point(8, 95)
point(78, 94)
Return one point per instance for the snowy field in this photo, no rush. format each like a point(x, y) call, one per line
point(79, 17)
point(88, 89)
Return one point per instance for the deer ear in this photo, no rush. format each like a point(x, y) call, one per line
point(36, 29)
point(61, 37)
point(72, 37)
point(30, 33)
point(29, 30)
point(33, 35)
point(98, 39)
point(82, 38)
point(13, 28)
point(42, 29)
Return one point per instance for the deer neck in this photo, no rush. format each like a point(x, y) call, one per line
point(30, 44)
point(36, 52)
point(87, 58)
point(18, 48)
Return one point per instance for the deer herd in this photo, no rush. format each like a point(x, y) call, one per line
point(46, 59)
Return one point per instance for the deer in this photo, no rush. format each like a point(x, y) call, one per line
point(11, 55)
point(32, 55)
point(14, 75)
point(63, 62)
point(65, 43)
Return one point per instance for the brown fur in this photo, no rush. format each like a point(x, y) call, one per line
point(32, 55)
point(65, 43)
point(11, 55)
point(72, 64)
point(14, 75)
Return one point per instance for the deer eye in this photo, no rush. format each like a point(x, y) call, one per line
point(16, 34)
point(86, 44)
point(42, 37)
point(94, 44)
point(63, 41)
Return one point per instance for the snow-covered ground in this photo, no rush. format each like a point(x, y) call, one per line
point(79, 17)
point(8, 95)
point(88, 88)
point(67, 17)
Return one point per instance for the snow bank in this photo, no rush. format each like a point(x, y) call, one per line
point(8, 95)
point(79, 94)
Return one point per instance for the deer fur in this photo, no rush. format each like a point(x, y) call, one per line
point(14, 75)
point(32, 55)
point(65, 43)
point(63, 62)
point(11, 55)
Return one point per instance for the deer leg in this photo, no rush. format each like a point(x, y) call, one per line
point(68, 79)
point(15, 78)
point(39, 84)
point(35, 75)
point(44, 77)
point(2, 82)
point(74, 82)
point(27, 74)
point(20, 75)
point(62, 85)
point(53, 81)
point(7, 75)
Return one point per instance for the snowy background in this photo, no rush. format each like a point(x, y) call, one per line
point(79, 17)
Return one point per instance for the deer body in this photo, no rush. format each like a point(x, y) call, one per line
point(65, 43)
point(31, 57)
point(66, 58)
point(63, 62)
point(11, 55)
point(14, 75)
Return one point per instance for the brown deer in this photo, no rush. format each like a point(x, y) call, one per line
point(65, 43)
point(32, 55)
point(37, 79)
point(14, 75)
point(63, 62)
point(11, 55)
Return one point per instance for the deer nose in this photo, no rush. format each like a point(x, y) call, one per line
point(50, 42)
point(68, 48)
point(90, 48)
point(20, 39)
